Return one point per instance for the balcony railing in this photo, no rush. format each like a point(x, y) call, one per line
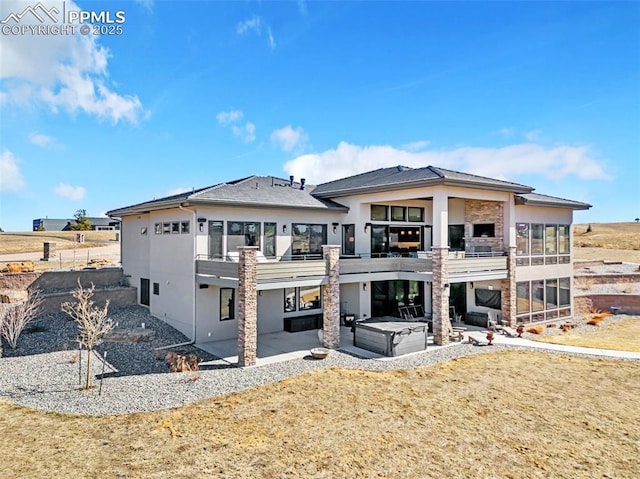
point(288, 267)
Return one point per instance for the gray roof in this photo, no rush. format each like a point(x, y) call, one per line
point(386, 179)
point(537, 199)
point(253, 191)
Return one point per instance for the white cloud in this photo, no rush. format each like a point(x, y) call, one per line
point(505, 132)
point(415, 145)
point(67, 72)
point(270, 39)
point(289, 138)
point(246, 132)
point(507, 162)
point(43, 141)
point(226, 118)
point(74, 193)
point(532, 135)
point(10, 176)
point(232, 118)
point(147, 4)
point(254, 23)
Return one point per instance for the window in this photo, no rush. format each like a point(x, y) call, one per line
point(416, 214)
point(289, 300)
point(522, 297)
point(379, 213)
point(551, 239)
point(522, 239)
point(269, 248)
point(302, 299)
point(379, 239)
point(166, 228)
point(398, 213)
point(215, 239)
point(564, 292)
point(308, 238)
point(309, 298)
point(156, 289)
point(157, 228)
point(227, 304)
point(551, 294)
point(349, 239)
point(564, 239)
point(184, 227)
point(175, 227)
point(456, 237)
point(484, 230)
point(242, 233)
point(537, 238)
point(537, 295)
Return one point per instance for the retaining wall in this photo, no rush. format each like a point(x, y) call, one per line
point(120, 296)
point(628, 303)
point(56, 280)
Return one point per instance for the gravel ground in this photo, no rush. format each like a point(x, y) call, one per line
point(43, 372)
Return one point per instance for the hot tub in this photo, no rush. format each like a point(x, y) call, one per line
point(389, 337)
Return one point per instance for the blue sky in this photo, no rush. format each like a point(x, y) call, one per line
point(191, 94)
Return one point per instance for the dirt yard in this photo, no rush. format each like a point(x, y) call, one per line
point(506, 415)
point(607, 241)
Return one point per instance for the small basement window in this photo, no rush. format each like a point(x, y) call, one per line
point(484, 230)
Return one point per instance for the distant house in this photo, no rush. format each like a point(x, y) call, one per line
point(56, 224)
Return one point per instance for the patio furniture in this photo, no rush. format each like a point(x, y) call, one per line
point(475, 318)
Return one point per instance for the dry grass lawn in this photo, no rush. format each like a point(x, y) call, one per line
point(27, 242)
point(621, 335)
point(607, 241)
point(506, 414)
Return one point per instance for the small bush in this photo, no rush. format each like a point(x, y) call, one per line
point(535, 329)
point(179, 363)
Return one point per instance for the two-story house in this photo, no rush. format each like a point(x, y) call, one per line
point(263, 254)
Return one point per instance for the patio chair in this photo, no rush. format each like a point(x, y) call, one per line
point(453, 316)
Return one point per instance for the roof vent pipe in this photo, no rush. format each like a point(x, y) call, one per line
point(291, 180)
point(302, 182)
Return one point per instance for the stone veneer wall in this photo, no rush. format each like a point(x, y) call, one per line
point(509, 292)
point(440, 295)
point(247, 307)
point(331, 298)
point(480, 211)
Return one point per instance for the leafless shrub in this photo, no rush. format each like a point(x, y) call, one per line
point(92, 320)
point(16, 317)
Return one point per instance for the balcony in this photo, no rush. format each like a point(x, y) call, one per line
point(286, 269)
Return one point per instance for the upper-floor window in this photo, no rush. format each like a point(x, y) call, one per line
point(398, 213)
point(538, 244)
point(415, 214)
point(269, 248)
point(308, 238)
point(379, 213)
point(242, 233)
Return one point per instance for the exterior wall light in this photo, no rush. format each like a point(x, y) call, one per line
point(284, 228)
point(367, 226)
point(335, 227)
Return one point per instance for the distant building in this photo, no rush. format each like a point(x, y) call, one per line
point(54, 224)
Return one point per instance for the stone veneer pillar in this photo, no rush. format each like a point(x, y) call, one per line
point(509, 291)
point(440, 295)
point(331, 298)
point(247, 307)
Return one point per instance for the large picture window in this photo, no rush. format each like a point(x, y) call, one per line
point(302, 299)
point(379, 213)
point(537, 239)
point(541, 300)
point(522, 239)
point(308, 238)
point(564, 239)
point(242, 233)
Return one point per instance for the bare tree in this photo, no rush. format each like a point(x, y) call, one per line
point(16, 317)
point(92, 321)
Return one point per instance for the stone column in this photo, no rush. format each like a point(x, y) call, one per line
point(440, 295)
point(509, 293)
point(331, 298)
point(247, 307)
